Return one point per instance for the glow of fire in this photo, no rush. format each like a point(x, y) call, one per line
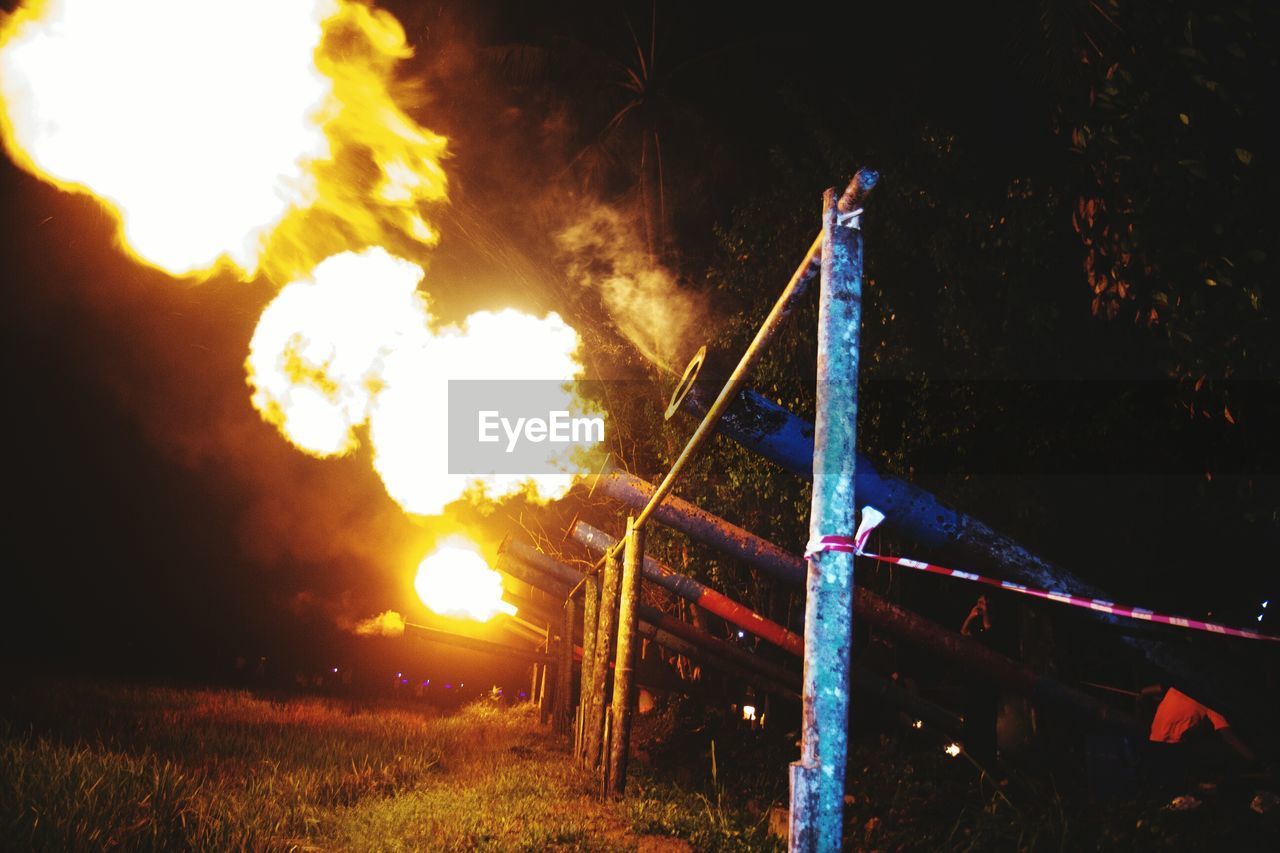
point(242, 134)
point(456, 581)
point(953, 749)
point(264, 138)
point(352, 345)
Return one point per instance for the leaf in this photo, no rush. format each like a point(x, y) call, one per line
point(1226, 413)
point(1184, 118)
point(1210, 282)
point(1244, 155)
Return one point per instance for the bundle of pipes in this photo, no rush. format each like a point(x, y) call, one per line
point(475, 644)
point(735, 613)
point(667, 631)
point(910, 627)
point(773, 431)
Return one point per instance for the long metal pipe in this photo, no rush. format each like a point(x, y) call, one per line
point(863, 182)
point(762, 426)
point(754, 670)
point(699, 593)
point(786, 679)
point(910, 627)
point(697, 523)
point(476, 645)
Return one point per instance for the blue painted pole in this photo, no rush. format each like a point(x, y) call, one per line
point(817, 779)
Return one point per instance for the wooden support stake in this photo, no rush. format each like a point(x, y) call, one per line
point(624, 659)
point(564, 672)
point(590, 608)
point(607, 620)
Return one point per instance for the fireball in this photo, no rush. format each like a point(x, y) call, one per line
point(456, 581)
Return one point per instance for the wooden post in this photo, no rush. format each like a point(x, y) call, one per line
point(590, 608)
point(564, 672)
point(533, 688)
point(607, 620)
point(544, 702)
point(817, 779)
point(624, 659)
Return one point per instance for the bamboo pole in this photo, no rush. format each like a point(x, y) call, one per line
point(817, 779)
point(564, 671)
point(624, 658)
point(590, 618)
point(607, 621)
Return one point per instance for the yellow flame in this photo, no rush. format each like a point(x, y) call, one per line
point(456, 581)
point(352, 345)
point(255, 135)
point(264, 137)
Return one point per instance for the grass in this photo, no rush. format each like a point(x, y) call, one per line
point(101, 767)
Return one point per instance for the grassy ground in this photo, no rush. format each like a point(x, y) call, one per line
point(100, 767)
point(94, 767)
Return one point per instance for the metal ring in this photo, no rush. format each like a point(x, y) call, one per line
point(686, 382)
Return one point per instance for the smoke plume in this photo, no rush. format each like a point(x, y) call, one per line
point(603, 251)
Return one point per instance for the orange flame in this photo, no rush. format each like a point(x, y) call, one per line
point(238, 134)
point(456, 581)
point(263, 138)
point(351, 345)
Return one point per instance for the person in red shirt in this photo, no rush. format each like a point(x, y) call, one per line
point(1195, 727)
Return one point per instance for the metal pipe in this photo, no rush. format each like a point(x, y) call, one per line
point(677, 635)
point(550, 566)
point(624, 658)
point(698, 593)
point(764, 427)
point(712, 530)
point(782, 680)
point(817, 779)
point(475, 644)
point(699, 524)
point(863, 182)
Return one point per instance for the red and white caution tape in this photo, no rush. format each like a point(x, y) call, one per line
point(872, 517)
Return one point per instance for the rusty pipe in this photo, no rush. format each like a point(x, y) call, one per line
point(699, 593)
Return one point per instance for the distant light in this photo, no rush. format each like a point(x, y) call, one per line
point(918, 724)
point(399, 675)
point(749, 713)
point(335, 669)
point(1265, 603)
point(952, 749)
point(741, 634)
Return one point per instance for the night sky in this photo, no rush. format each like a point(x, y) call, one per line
point(155, 524)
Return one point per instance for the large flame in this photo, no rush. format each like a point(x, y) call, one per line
point(263, 137)
point(352, 345)
point(456, 581)
point(256, 135)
